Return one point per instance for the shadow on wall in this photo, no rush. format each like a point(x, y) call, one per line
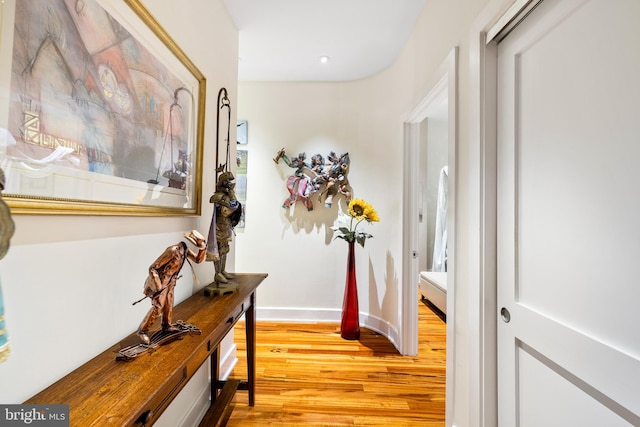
point(298, 219)
point(389, 301)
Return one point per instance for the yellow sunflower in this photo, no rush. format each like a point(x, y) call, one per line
point(370, 214)
point(358, 209)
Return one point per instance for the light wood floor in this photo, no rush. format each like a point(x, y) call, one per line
point(308, 375)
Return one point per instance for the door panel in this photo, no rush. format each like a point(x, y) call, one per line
point(541, 407)
point(569, 215)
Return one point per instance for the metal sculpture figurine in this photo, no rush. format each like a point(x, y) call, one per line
point(227, 211)
point(329, 179)
point(335, 179)
point(159, 286)
point(301, 184)
point(160, 283)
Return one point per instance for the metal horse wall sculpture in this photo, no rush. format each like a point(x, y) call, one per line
point(328, 179)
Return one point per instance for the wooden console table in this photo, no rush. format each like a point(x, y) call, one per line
point(105, 392)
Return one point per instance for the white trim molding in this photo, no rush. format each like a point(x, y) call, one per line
point(445, 86)
point(492, 25)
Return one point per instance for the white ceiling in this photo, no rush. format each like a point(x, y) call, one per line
point(282, 40)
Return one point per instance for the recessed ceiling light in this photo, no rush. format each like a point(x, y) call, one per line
point(324, 59)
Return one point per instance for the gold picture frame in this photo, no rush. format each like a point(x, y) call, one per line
point(101, 112)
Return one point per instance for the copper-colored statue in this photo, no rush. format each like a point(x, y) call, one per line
point(226, 215)
point(160, 283)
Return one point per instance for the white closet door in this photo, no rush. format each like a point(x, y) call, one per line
point(569, 216)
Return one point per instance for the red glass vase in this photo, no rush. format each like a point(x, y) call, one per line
point(350, 326)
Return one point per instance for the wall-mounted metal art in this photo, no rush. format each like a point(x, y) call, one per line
point(326, 178)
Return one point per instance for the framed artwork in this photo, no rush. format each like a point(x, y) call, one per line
point(241, 174)
point(242, 132)
point(101, 113)
point(241, 162)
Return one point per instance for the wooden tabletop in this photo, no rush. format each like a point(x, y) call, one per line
point(104, 391)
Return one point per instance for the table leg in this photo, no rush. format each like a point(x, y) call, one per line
point(215, 373)
point(251, 349)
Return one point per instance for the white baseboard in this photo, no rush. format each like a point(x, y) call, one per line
point(197, 412)
point(291, 315)
point(191, 404)
point(228, 361)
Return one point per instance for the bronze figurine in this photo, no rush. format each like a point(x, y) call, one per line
point(227, 212)
point(160, 283)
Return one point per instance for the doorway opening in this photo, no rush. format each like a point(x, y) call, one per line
point(433, 187)
point(430, 140)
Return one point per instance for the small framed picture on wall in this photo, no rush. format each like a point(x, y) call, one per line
point(241, 162)
point(242, 132)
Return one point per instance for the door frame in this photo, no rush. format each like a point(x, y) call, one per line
point(446, 85)
point(480, 382)
point(494, 23)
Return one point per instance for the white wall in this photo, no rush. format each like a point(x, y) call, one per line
point(68, 282)
point(365, 117)
point(307, 267)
